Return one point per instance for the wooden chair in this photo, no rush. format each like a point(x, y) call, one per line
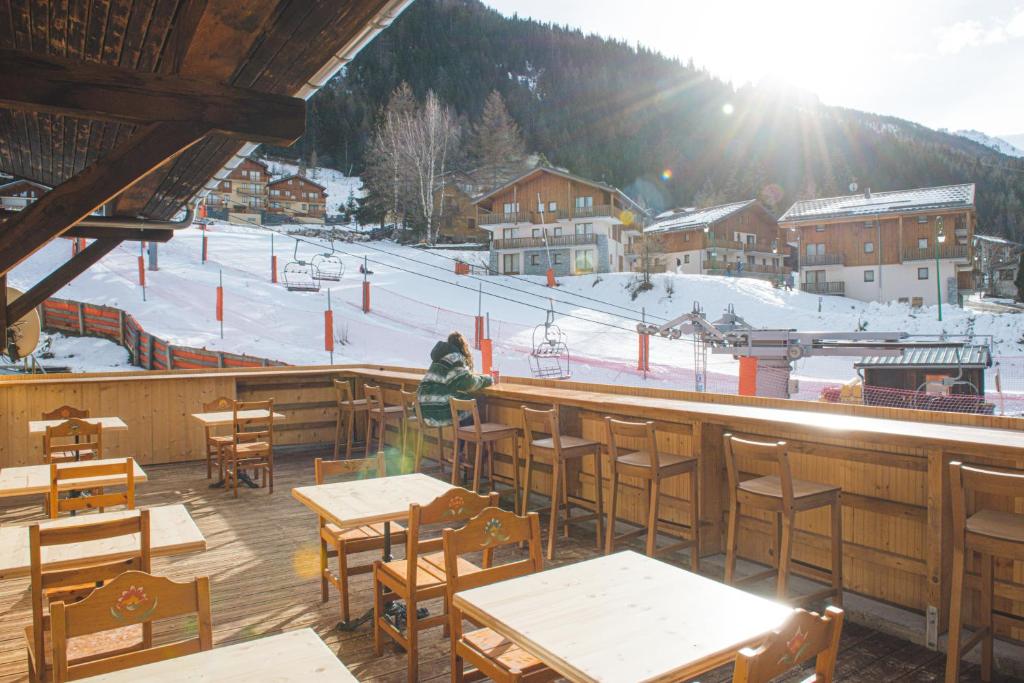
point(338, 542)
point(348, 409)
point(804, 635)
point(74, 580)
point(492, 655)
point(421, 576)
point(54, 440)
point(652, 467)
point(412, 421)
point(542, 437)
point(783, 497)
point(252, 445)
point(133, 598)
point(483, 436)
point(215, 443)
point(989, 533)
point(380, 414)
point(89, 497)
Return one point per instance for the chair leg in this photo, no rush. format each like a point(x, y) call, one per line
point(986, 617)
point(209, 462)
point(515, 472)
point(956, 603)
point(378, 614)
point(598, 499)
point(785, 554)
point(695, 521)
point(350, 428)
point(369, 432)
point(652, 517)
point(323, 569)
point(418, 450)
point(609, 543)
point(455, 461)
point(837, 552)
point(527, 481)
point(337, 435)
point(730, 541)
point(478, 455)
point(412, 628)
point(490, 465)
point(555, 500)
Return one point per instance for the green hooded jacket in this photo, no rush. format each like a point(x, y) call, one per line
point(447, 377)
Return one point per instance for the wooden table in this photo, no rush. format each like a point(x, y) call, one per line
point(624, 617)
point(370, 501)
point(109, 424)
point(35, 479)
point(292, 657)
point(172, 532)
point(226, 417)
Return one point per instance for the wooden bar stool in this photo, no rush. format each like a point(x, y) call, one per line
point(379, 413)
point(483, 436)
point(348, 408)
point(412, 421)
point(783, 496)
point(990, 533)
point(560, 449)
point(652, 467)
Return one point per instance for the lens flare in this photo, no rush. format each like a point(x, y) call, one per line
point(666, 174)
point(626, 217)
point(728, 109)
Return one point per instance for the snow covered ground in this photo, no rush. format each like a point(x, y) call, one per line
point(416, 298)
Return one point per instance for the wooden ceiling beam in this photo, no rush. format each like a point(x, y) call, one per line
point(53, 282)
point(32, 83)
point(65, 205)
point(123, 234)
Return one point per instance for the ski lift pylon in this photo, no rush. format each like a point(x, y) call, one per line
point(550, 358)
point(328, 265)
point(299, 275)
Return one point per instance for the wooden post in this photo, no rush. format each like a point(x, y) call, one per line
point(939, 546)
point(81, 319)
point(170, 356)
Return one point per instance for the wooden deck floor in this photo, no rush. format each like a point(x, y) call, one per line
point(262, 560)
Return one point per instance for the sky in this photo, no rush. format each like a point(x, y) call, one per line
point(944, 63)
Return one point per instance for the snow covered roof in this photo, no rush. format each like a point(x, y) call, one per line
point(295, 176)
point(989, 238)
point(932, 357)
point(23, 181)
point(697, 219)
point(877, 203)
point(568, 176)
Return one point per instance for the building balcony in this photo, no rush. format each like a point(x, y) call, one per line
point(540, 242)
point(720, 267)
point(807, 261)
point(497, 218)
point(832, 288)
point(544, 217)
point(946, 251)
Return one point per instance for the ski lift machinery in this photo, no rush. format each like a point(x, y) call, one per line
point(549, 358)
point(299, 275)
point(328, 265)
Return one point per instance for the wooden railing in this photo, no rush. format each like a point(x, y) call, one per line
point(496, 218)
point(539, 242)
point(946, 251)
point(807, 260)
point(837, 288)
point(542, 217)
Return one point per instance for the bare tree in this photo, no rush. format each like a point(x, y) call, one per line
point(428, 139)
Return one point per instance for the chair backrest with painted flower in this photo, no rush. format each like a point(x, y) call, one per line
point(455, 505)
point(487, 531)
point(804, 635)
point(133, 598)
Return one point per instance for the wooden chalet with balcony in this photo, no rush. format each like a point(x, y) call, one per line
point(16, 194)
point(547, 218)
point(886, 246)
point(738, 239)
point(241, 196)
point(298, 199)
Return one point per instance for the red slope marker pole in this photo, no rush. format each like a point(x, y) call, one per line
point(329, 328)
point(220, 304)
point(142, 276)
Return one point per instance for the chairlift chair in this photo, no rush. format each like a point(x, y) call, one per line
point(299, 275)
point(550, 358)
point(328, 266)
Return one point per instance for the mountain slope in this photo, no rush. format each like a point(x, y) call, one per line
point(610, 111)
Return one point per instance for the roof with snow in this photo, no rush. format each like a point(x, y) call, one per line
point(295, 176)
point(882, 203)
point(567, 176)
point(981, 238)
point(9, 186)
point(966, 356)
point(698, 218)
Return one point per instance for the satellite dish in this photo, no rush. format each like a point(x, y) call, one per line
point(23, 334)
point(853, 186)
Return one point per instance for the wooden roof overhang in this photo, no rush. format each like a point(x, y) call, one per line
point(139, 105)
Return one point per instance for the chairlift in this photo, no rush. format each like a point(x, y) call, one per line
point(549, 358)
point(299, 275)
point(328, 265)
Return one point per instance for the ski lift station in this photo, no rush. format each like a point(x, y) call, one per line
point(949, 370)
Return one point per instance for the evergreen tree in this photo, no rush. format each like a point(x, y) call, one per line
point(497, 144)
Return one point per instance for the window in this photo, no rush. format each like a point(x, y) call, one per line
point(535, 232)
point(922, 242)
point(922, 273)
point(534, 259)
point(584, 260)
point(679, 262)
point(540, 207)
point(819, 228)
point(751, 239)
point(869, 247)
point(558, 231)
point(686, 237)
point(510, 207)
point(1006, 274)
point(869, 276)
point(584, 228)
point(275, 193)
point(686, 258)
point(508, 233)
point(275, 205)
point(510, 263)
point(552, 206)
point(584, 202)
point(305, 207)
point(815, 249)
point(556, 259)
point(922, 220)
